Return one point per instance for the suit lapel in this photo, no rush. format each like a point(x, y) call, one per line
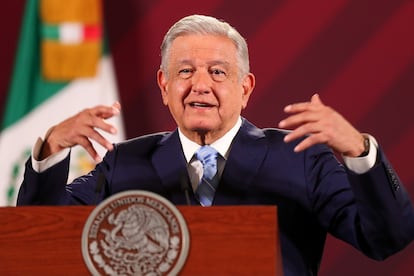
point(246, 156)
point(170, 165)
point(247, 152)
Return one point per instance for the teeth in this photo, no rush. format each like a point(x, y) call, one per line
point(200, 104)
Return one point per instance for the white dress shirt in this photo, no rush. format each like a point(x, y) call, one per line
point(222, 146)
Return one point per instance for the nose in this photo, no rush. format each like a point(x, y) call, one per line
point(201, 82)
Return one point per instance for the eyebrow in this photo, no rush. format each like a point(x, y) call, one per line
point(219, 62)
point(210, 63)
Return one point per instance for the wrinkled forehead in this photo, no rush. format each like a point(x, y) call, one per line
point(212, 48)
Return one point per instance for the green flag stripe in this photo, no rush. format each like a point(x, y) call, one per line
point(27, 88)
point(50, 31)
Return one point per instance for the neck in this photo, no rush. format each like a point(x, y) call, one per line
point(203, 137)
point(207, 137)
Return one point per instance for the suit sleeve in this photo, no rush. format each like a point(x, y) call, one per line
point(50, 186)
point(371, 211)
point(46, 188)
point(385, 209)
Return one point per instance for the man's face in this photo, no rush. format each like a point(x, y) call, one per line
point(204, 90)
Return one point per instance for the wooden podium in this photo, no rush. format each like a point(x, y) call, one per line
point(230, 240)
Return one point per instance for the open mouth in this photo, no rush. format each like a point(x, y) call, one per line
point(196, 104)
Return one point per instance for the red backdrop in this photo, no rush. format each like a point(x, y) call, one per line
point(359, 55)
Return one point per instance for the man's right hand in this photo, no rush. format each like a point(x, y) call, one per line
point(80, 130)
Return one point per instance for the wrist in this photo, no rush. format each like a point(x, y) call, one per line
point(367, 145)
point(47, 148)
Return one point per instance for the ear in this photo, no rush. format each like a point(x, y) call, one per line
point(248, 84)
point(162, 84)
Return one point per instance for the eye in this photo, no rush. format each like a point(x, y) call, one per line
point(218, 75)
point(217, 72)
point(185, 73)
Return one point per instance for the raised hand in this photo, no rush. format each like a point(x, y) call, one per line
point(80, 129)
point(321, 124)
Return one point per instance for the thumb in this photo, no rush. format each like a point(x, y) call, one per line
point(316, 99)
point(117, 106)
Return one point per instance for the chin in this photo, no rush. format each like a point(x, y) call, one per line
point(201, 124)
point(201, 128)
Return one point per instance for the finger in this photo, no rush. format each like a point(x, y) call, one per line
point(310, 141)
point(117, 105)
point(87, 145)
point(315, 102)
point(101, 124)
point(299, 119)
point(316, 99)
point(297, 107)
point(105, 112)
point(85, 142)
point(89, 133)
point(303, 130)
point(95, 118)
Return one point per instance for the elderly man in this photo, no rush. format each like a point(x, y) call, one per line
point(205, 81)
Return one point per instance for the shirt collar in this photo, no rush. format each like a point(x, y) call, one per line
point(222, 145)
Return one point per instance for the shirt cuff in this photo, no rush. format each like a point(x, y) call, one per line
point(360, 165)
point(42, 165)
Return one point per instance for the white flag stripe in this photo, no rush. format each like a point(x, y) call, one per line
point(78, 95)
point(71, 33)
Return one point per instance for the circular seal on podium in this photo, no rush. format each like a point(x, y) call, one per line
point(135, 233)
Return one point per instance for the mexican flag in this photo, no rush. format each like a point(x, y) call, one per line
point(62, 66)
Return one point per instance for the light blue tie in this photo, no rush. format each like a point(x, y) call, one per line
point(208, 183)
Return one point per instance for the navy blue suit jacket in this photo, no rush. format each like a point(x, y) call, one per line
point(314, 193)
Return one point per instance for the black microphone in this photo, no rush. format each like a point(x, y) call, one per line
point(98, 188)
point(185, 187)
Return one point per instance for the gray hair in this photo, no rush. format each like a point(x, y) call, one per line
point(206, 25)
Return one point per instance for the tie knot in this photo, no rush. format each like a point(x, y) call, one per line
point(207, 155)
